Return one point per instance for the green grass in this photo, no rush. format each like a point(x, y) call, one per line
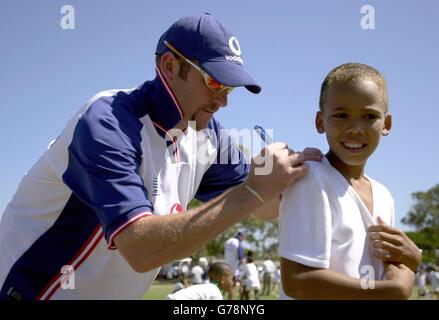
point(159, 290)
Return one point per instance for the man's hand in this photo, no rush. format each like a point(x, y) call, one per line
point(270, 210)
point(312, 154)
point(393, 246)
point(278, 167)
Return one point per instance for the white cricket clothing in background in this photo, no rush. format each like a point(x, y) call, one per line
point(276, 278)
point(251, 277)
point(205, 291)
point(269, 266)
point(197, 274)
point(434, 281)
point(323, 223)
point(233, 253)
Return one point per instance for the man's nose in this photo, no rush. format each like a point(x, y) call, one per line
point(220, 99)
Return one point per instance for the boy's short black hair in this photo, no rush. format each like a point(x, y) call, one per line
point(219, 269)
point(352, 72)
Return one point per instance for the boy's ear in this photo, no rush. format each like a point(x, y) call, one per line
point(387, 124)
point(221, 281)
point(319, 122)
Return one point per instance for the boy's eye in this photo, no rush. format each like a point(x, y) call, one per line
point(370, 116)
point(340, 115)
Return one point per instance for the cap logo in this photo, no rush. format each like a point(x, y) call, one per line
point(234, 46)
point(236, 49)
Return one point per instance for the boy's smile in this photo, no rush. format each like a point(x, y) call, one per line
point(354, 117)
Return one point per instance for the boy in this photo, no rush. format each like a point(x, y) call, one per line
point(251, 278)
point(220, 276)
point(336, 239)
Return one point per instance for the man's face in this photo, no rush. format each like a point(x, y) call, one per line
point(197, 101)
point(354, 118)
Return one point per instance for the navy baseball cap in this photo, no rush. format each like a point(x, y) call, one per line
point(216, 49)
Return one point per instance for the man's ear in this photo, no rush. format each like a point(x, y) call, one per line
point(387, 124)
point(319, 122)
point(169, 66)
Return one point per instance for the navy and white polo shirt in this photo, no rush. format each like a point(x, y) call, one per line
point(111, 166)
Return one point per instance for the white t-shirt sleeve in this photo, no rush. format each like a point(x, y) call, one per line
point(305, 222)
point(207, 291)
point(392, 213)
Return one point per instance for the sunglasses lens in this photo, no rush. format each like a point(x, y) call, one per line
point(217, 86)
point(214, 85)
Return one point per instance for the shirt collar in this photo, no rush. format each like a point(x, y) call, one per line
point(163, 108)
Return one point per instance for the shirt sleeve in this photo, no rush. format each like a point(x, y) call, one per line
point(104, 159)
point(229, 169)
point(305, 223)
point(241, 251)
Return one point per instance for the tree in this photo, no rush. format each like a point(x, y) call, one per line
point(261, 236)
point(424, 215)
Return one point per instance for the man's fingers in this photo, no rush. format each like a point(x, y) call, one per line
point(312, 151)
point(296, 158)
point(278, 145)
point(276, 148)
point(291, 152)
point(312, 154)
point(299, 171)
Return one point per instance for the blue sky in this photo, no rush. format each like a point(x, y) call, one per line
point(47, 73)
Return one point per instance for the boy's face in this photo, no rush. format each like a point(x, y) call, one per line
point(226, 282)
point(354, 118)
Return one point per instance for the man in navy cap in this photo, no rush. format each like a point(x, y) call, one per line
point(235, 258)
point(106, 204)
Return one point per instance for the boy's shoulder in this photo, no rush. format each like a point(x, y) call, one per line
point(319, 172)
point(319, 178)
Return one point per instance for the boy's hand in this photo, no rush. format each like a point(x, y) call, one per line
point(402, 276)
point(393, 246)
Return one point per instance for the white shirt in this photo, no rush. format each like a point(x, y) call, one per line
point(269, 266)
point(323, 223)
point(422, 280)
point(205, 291)
point(197, 274)
point(251, 276)
point(231, 254)
point(434, 280)
point(277, 276)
